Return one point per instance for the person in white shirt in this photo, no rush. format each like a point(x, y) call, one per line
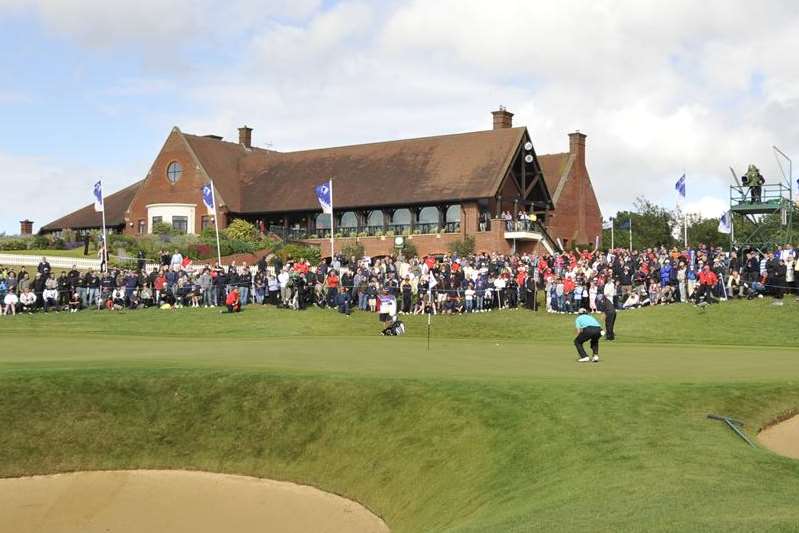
point(10, 301)
point(50, 298)
point(468, 296)
point(283, 280)
point(27, 300)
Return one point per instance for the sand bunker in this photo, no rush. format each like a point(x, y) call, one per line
point(175, 502)
point(782, 438)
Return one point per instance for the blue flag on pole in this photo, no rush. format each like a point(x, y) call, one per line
point(208, 197)
point(325, 196)
point(97, 193)
point(680, 186)
point(627, 224)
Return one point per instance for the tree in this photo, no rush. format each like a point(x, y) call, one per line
point(241, 230)
point(652, 226)
point(462, 248)
point(705, 231)
point(354, 249)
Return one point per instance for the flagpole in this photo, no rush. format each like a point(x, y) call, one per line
point(631, 234)
point(216, 225)
point(685, 219)
point(105, 241)
point(332, 224)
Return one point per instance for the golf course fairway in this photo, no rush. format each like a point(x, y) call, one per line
point(495, 429)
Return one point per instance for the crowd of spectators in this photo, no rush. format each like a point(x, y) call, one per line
point(447, 284)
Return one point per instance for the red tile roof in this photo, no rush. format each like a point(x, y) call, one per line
point(86, 217)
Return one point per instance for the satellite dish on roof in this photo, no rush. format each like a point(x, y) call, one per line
point(528, 146)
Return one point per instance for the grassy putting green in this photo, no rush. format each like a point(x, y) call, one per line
point(495, 429)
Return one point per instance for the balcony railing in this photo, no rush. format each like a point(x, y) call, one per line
point(361, 231)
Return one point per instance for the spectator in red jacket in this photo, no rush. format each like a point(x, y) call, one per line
point(233, 301)
point(707, 280)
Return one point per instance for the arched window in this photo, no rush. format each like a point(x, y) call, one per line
point(428, 220)
point(322, 221)
point(349, 220)
point(453, 213)
point(428, 215)
point(401, 216)
point(375, 218)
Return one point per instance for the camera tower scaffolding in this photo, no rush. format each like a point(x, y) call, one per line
point(749, 216)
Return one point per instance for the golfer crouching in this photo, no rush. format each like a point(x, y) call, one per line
point(588, 329)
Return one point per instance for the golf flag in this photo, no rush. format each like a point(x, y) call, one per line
point(208, 197)
point(324, 195)
point(725, 223)
point(608, 224)
point(680, 186)
point(433, 281)
point(97, 193)
point(626, 225)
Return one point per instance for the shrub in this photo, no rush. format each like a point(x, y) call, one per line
point(162, 228)
point(241, 230)
point(462, 247)
point(355, 249)
point(40, 241)
point(298, 251)
point(13, 244)
point(408, 249)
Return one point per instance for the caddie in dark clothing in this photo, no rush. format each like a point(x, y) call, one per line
point(606, 306)
point(588, 329)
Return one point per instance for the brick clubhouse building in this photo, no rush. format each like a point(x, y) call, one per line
point(431, 190)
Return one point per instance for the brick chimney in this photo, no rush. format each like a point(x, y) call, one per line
point(502, 118)
point(25, 227)
point(245, 137)
point(577, 146)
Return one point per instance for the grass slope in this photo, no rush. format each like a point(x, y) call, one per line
point(481, 434)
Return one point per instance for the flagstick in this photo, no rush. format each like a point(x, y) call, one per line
point(685, 218)
point(216, 226)
point(332, 223)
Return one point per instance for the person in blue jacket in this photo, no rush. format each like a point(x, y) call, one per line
point(588, 329)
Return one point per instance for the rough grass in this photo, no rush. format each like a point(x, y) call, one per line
point(476, 435)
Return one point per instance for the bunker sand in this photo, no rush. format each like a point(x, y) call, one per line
point(176, 502)
point(782, 438)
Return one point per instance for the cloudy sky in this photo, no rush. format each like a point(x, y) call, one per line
point(91, 88)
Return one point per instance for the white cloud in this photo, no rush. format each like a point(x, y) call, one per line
point(42, 190)
point(660, 89)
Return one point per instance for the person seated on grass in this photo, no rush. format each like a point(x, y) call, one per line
point(10, 302)
point(147, 296)
point(633, 301)
point(418, 308)
point(707, 281)
point(118, 299)
point(50, 299)
point(27, 300)
point(735, 285)
point(233, 301)
point(588, 329)
point(344, 301)
point(74, 302)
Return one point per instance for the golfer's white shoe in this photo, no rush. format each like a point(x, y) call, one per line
point(584, 360)
point(595, 359)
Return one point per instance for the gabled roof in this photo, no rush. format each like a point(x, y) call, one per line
point(86, 217)
point(555, 168)
point(411, 171)
point(224, 162)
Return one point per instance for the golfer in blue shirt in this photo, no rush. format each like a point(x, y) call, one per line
point(588, 329)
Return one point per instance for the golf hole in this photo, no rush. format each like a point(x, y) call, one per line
point(176, 502)
point(782, 437)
